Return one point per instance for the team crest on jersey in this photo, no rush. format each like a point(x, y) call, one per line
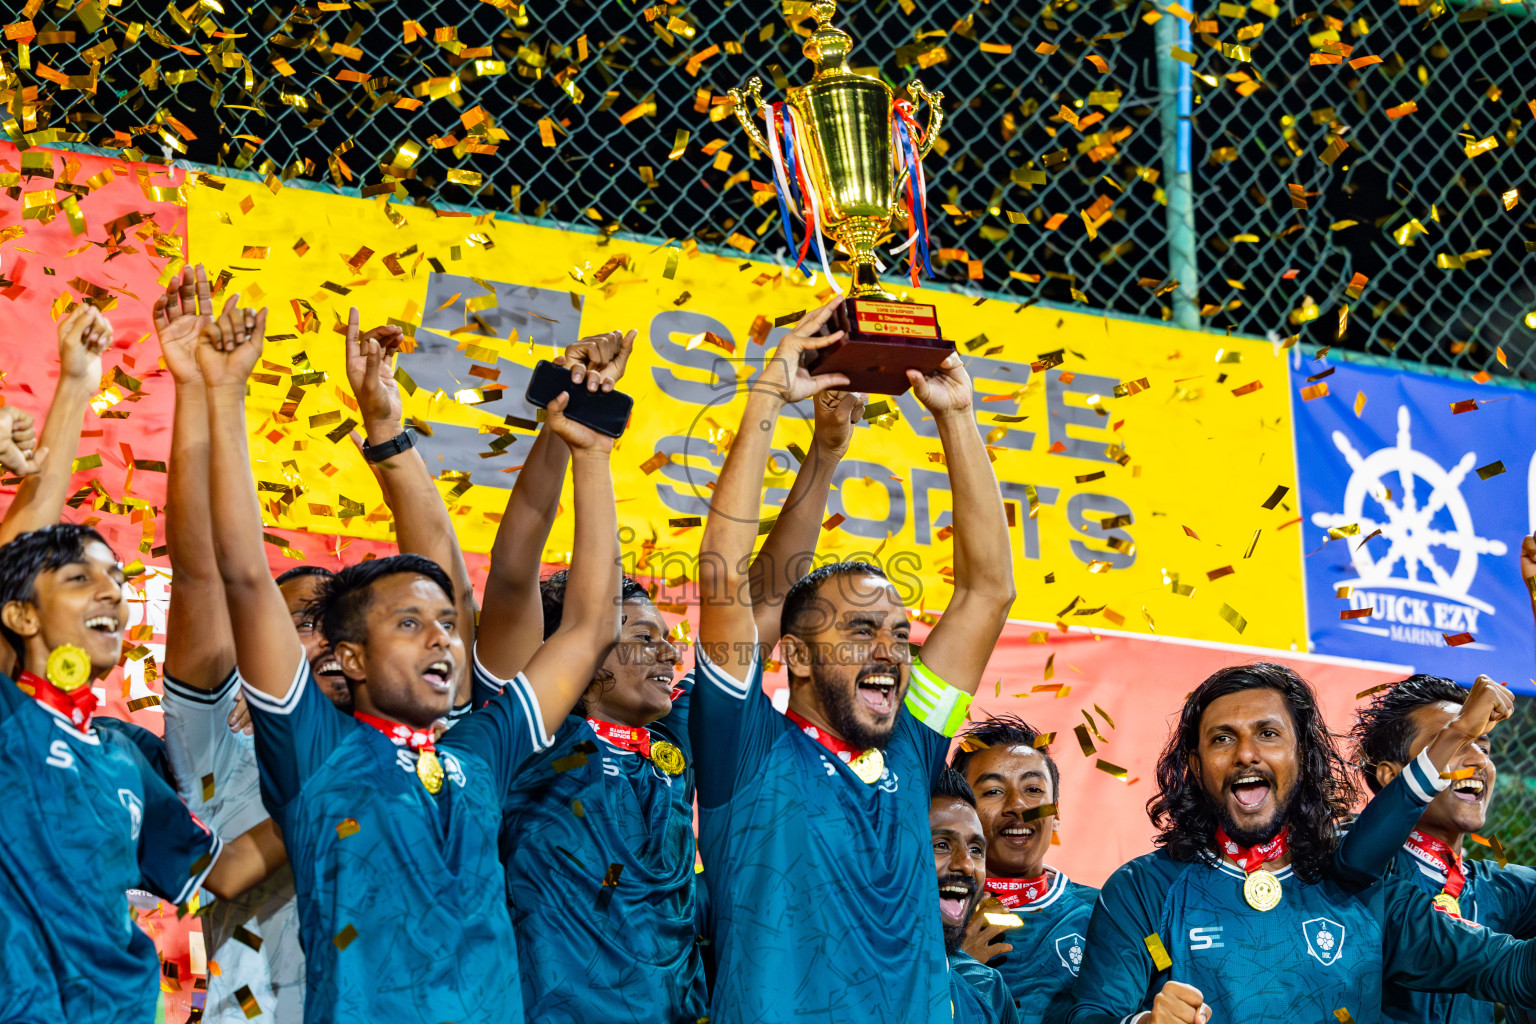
point(1325, 939)
point(455, 770)
point(1070, 949)
point(129, 799)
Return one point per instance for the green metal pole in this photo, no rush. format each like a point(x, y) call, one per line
point(1175, 111)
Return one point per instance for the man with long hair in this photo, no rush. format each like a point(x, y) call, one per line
point(1415, 831)
point(1018, 796)
point(1241, 914)
point(811, 821)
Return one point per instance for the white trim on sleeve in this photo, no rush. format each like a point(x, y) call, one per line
point(723, 680)
point(196, 881)
point(283, 705)
point(1422, 777)
point(521, 690)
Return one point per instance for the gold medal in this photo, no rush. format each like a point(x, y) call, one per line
point(1262, 890)
point(1448, 903)
point(68, 668)
point(667, 757)
point(869, 766)
point(429, 769)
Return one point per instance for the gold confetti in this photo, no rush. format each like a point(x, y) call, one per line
point(1232, 618)
point(1457, 640)
point(1493, 469)
point(1315, 391)
point(833, 521)
point(1343, 1016)
point(1159, 955)
point(1084, 741)
point(1004, 920)
point(344, 937)
point(347, 827)
point(1373, 690)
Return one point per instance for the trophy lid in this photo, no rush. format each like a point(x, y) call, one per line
point(827, 47)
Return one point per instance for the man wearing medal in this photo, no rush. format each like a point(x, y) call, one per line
point(812, 822)
point(1246, 913)
point(624, 755)
point(1017, 788)
point(1415, 825)
point(392, 832)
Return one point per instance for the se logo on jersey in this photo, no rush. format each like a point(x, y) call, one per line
point(1070, 949)
point(1325, 939)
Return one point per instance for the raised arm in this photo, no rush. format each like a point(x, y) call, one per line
point(199, 648)
point(83, 336)
point(513, 609)
point(958, 647)
point(422, 523)
point(726, 621)
point(266, 646)
point(563, 667)
point(790, 549)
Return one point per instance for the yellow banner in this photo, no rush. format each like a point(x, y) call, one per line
point(1137, 459)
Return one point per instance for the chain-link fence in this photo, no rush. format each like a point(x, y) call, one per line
point(1356, 174)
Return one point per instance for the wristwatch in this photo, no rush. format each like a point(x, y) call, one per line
point(402, 441)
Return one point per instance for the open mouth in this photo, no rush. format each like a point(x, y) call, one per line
point(662, 678)
point(438, 675)
point(954, 897)
point(1251, 791)
point(1017, 835)
point(329, 667)
point(1468, 790)
point(878, 692)
point(105, 624)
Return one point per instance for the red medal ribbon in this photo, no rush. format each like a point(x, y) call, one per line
point(845, 752)
point(1017, 892)
point(1251, 858)
point(77, 705)
point(625, 737)
point(399, 732)
point(1440, 856)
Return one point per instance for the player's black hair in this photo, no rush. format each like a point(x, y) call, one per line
point(799, 603)
point(300, 571)
point(1383, 729)
point(552, 596)
point(1325, 791)
point(952, 784)
point(1007, 731)
point(341, 607)
point(31, 554)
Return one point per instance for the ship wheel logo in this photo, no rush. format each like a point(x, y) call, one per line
point(1419, 510)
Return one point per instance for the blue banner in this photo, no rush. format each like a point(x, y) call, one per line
point(1427, 492)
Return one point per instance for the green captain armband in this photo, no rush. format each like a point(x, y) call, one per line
point(934, 702)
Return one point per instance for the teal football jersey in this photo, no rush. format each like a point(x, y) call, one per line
point(599, 851)
point(89, 818)
point(402, 902)
point(979, 993)
point(1048, 951)
point(1324, 948)
point(1503, 899)
point(822, 890)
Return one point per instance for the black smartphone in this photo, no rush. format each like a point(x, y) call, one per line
point(606, 412)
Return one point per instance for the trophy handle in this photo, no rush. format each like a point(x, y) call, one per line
point(935, 114)
point(744, 112)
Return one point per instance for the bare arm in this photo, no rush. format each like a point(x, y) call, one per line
point(83, 336)
point(199, 648)
point(266, 646)
point(589, 625)
point(512, 604)
point(959, 646)
point(247, 860)
point(726, 623)
point(790, 549)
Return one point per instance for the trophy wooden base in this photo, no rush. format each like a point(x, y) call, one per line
point(884, 339)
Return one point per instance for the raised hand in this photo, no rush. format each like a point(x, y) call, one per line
point(183, 318)
point(83, 336)
point(784, 373)
point(946, 389)
point(579, 437)
point(599, 359)
point(1177, 1003)
point(1488, 704)
point(230, 350)
point(980, 935)
point(837, 413)
point(1528, 563)
point(18, 438)
point(371, 374)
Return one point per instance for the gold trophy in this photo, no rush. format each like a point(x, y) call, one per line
point(853, 171)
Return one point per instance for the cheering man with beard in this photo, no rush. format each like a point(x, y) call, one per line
point(811, 821)
point(392, 832)
point(1240, 916)
point(624, 756)
point(1018, 792)
point(1416, 823)
point(978, 992)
